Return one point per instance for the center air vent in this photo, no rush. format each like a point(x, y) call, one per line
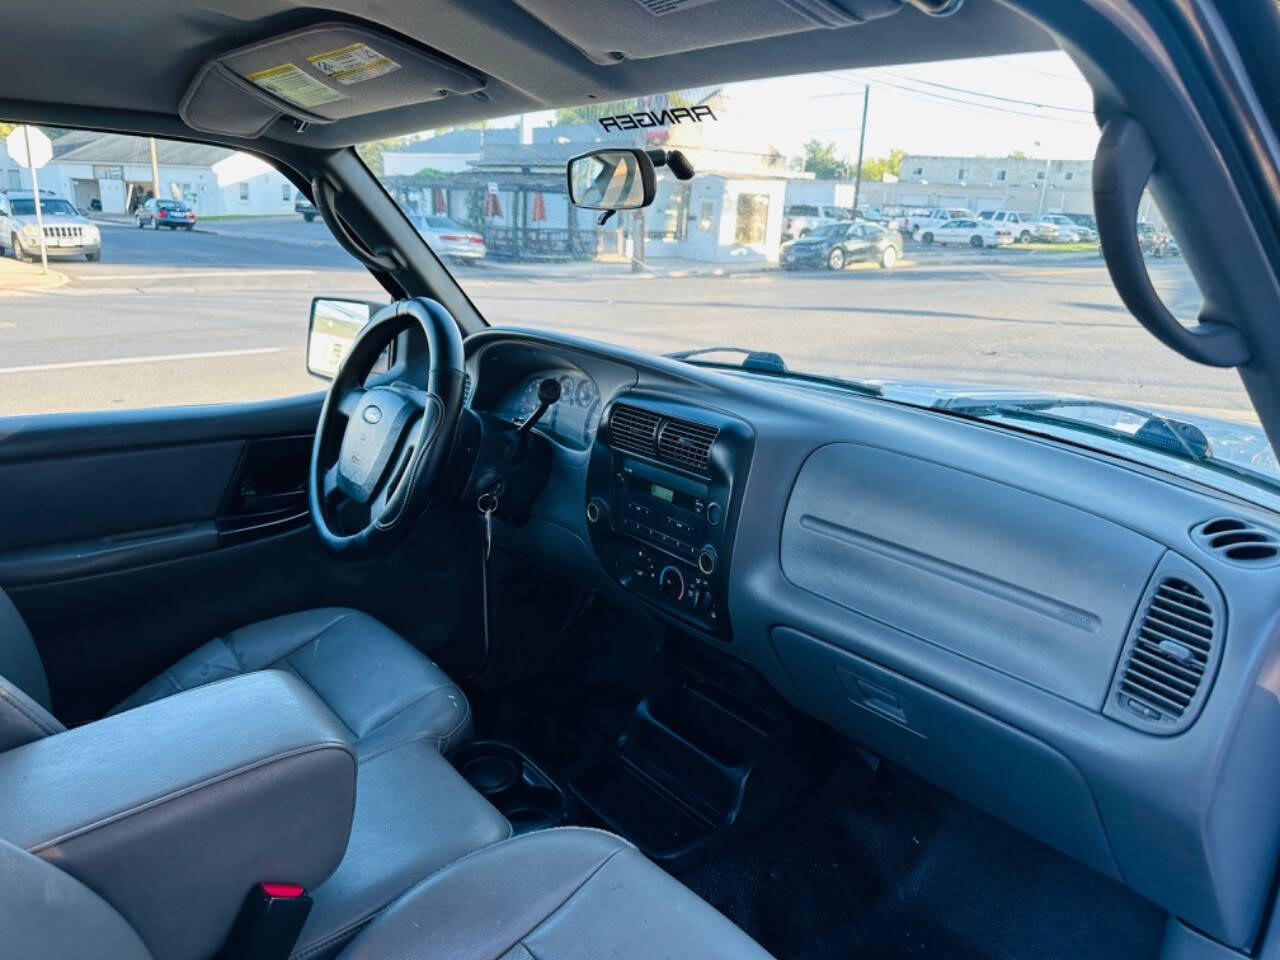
point(686, 444)
point(680, 443)
point(634, 429)
point(1169, 660)
point(1238, 541)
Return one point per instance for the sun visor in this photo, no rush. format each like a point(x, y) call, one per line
point(610, 31)
point(321, 74)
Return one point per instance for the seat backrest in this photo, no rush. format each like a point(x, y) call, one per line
point(24, 689)
point(46, 914)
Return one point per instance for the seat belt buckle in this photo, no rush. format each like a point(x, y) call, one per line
point(268, 924)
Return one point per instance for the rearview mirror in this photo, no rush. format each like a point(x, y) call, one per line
point(612, 179)
point(334, 325)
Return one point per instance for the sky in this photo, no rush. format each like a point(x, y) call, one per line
point(1037, 103)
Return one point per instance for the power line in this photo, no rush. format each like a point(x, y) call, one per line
point(988, 108)
point(990, 96)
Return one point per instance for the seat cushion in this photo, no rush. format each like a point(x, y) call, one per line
point(414, 814)
point(566, 894)
point(384, 689)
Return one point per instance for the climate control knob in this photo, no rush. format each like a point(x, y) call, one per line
point(597, 510)
point(671, 583)
point(707, 560)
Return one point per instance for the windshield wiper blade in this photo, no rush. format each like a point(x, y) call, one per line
point(762, 360)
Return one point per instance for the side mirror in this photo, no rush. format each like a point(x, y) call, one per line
point(334, 325)
point(612, 179)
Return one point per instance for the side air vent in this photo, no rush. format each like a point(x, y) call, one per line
point(1238, 541)
point(1170, 657)
point(686, 444)
point(634, 429)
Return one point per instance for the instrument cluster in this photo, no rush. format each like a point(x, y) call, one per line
point(571, 420)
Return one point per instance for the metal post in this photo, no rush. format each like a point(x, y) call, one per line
point(155, 171)
point(862, 139)
point(1044, 187)
point(35, 192)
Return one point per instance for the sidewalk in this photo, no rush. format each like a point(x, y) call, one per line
point(666, 267)
point(18, 277)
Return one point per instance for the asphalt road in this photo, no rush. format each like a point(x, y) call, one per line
point(206, 317)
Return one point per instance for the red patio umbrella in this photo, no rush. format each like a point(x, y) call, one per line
point(539, 211)
point(438, 203)
point(492, 206)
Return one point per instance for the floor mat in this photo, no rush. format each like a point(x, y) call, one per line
point(882, 865)
point(875, 865)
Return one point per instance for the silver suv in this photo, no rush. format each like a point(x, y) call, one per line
point(66, 232)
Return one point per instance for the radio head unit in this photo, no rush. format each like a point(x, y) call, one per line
point(663, 490)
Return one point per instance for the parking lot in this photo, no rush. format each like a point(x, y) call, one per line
point(221, 316)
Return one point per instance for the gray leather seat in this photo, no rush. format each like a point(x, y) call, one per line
point(383, 689)
point(565, 893)
point(413, 812)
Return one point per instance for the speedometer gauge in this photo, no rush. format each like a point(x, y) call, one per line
point(585, 395)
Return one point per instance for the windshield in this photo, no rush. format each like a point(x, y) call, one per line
point(48, 208)
point(942, 306)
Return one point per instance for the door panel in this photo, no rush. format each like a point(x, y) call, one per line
point(128, 539)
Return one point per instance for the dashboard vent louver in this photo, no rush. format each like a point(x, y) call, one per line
point(634, 429)
point(680, 443)
point(1238, 541)
point(686, 444)
point(1171, 652)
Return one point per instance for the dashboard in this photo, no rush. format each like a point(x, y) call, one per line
point(1045, 631)
point(572, 420)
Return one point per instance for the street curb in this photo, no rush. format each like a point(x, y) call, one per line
point(40, 282)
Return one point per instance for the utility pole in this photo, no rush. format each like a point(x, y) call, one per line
point(35, 192)
point(1044, 186)
point(155, 171)
point(862, 139)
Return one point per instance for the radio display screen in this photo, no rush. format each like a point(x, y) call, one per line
point(662, 493)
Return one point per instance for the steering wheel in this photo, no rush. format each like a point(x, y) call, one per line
point(391, 441)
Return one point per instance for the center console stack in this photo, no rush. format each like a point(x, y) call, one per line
point(664, 488)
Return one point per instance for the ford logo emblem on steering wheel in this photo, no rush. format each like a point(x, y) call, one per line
point(372, 414)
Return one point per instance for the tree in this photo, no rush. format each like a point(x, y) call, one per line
point(820, 159)
point(1017, 155)
point(876, 167)
point(5, 129)
point(371, 152)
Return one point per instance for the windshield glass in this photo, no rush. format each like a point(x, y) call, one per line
point(938, 307)
point(48, 207)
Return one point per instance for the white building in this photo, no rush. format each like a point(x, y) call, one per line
point(1039, 185)
point(115, 171)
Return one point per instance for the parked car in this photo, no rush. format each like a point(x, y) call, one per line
point(928, 221)
point(802, 218)
point(1083, 220)
point(1021, 225)
point(1066, 230)
point(448, 238)
point(1155, 242)
point(66, 232)
point(305, 207)
point(968, 230)
point(834, 245)
point(173, 214)
point(880, 215)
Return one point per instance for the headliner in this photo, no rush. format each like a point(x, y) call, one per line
point(85, 63)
